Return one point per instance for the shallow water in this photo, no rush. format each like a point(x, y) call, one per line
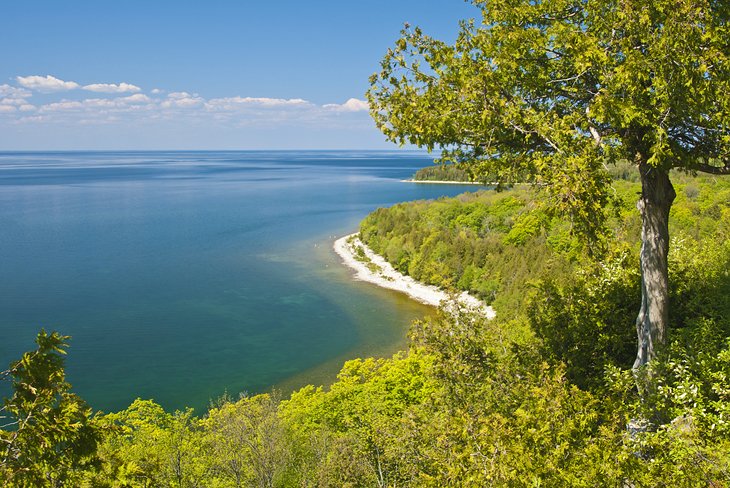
point(182, 275)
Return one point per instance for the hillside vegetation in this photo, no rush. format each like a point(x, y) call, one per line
point(442, 172)
point(540, 396)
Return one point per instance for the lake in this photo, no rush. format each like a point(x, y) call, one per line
point(184, 275)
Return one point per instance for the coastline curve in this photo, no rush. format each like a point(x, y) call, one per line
point(373, 268)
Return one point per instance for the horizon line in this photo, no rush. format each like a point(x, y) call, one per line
point(216, 150)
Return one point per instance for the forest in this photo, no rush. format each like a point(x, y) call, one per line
point(541, 395)
point(441, 172)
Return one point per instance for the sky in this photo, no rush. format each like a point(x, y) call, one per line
point(95, 75)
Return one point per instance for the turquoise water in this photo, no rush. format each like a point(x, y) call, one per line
point(183, 275)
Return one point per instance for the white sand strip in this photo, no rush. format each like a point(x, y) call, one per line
point(373, 268)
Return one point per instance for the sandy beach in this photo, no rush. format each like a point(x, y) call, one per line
point(373, 268)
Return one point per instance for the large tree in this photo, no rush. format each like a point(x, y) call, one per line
point(554, 91)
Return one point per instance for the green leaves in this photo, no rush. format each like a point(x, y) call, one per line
point(49, 437)
point(507, 409)
point(550, 92)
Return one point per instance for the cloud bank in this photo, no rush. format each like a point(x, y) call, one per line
point(125, 102)
point(46, 111)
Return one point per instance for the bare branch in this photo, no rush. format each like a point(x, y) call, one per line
point(570, 78)
point(596, 135)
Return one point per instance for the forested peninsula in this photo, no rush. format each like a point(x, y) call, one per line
point(604, 250)
point(443, 173)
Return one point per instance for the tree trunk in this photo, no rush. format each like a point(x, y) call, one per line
point(657, 195)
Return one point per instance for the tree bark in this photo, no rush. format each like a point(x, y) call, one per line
point(657, 195)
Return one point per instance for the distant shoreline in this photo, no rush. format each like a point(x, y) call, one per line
point(373, 268)
point(444, 182)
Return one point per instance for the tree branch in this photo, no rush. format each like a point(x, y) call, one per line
point(596, 135)
point(713, 170)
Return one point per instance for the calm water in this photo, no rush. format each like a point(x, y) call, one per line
point(182, 275)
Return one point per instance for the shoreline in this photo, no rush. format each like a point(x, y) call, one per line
point(444, 182)
point(373, 268)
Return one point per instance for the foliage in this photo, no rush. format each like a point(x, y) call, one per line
point(248, 442)
point(361, 421)
point(581, 320)
point(552, 92)
point(150, 447)
point(48, 436)
point(441, 172)
point(473, 402)
point(238, 443)
point(583, 323)
point(492, 245)
point(486, 243)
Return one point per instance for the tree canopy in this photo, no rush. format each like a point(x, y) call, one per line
point(552, 92)
point(555, 89)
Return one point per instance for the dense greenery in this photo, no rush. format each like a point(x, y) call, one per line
point(47, 437)
point(553, 92)
point(542, 395)
point(475, 242)
point(441, 172)
point(498, 246)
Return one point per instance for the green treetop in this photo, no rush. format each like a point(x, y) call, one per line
point(553, 91)
point(47, 434)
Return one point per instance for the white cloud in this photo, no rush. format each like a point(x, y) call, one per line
point(126, 104)
point(46, 83)
point(237, 103)
point(98, 103)
point(101, 105)
point(138, 98)
point(33, 118)
point(182, 100)
point(12, 101)
point(351, 105)
point(112, 88)
point(62, 106)
point(13, 92)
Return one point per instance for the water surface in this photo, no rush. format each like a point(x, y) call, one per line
point(182, 275)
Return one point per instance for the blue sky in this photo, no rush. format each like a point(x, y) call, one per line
point(199, 74)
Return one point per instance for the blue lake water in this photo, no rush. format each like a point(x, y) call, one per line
point(183, 275)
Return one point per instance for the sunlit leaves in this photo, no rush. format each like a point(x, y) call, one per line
point(550, 92)
point(48, 435)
